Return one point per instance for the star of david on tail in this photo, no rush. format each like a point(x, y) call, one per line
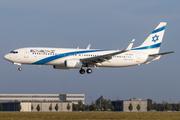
point(155, 38)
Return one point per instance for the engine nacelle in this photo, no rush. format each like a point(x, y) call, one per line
point(60, 67)
point(73, 64)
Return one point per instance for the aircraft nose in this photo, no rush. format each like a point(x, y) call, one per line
point(6, 57)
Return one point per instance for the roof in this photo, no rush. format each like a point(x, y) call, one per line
point(100, 98)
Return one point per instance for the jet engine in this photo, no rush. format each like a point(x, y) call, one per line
point(73, 64)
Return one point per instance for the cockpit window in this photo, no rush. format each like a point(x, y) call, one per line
point(14, 52)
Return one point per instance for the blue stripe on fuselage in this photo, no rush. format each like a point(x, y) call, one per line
point(55, 57)
point(148, 47)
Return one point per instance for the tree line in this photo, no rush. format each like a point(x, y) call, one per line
point(92, 107)
point(164, 106)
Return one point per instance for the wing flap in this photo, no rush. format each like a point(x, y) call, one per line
point(106, 57)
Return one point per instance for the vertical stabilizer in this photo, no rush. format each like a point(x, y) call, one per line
point(153, 42)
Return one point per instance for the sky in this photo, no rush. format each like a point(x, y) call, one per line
point(105, 24)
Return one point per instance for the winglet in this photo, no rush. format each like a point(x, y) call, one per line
point(88, 47)
point(130, 45)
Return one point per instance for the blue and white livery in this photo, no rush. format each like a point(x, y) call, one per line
point(65, 58)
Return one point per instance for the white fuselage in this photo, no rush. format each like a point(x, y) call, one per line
point(57, 56)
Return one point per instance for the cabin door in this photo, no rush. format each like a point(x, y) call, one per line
point(26, 53)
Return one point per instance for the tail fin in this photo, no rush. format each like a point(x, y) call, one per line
point(153, 42)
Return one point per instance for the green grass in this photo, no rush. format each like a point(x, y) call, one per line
point(89, 116)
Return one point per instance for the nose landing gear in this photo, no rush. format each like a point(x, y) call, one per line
point(20, 68)
point(19, 64)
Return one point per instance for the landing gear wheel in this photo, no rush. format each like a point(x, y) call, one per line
point(20, 68)
point(89, 71)
point(81, 71)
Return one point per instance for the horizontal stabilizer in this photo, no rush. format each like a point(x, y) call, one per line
point(162, 53)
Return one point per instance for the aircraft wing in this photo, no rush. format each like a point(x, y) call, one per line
point(105, 57)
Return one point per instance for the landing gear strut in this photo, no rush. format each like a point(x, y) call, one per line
point(19, 64)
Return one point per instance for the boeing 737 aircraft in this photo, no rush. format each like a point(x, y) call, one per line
point(65, 58)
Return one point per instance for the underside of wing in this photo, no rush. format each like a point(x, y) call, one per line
point(101, 58)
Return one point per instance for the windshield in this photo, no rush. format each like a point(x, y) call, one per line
point(14, 52)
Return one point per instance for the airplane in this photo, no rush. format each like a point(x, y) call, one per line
point(69, 58)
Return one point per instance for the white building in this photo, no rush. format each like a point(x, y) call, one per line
point(29, 97)
point(10, 102)
point(32, 106)
point(123, 105)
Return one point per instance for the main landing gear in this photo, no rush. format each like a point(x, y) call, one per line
point(82, 71)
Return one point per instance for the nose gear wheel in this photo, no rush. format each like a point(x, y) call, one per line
point(20, 68)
